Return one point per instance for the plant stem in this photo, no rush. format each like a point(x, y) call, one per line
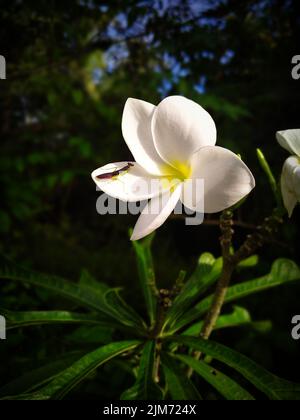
point(254, 241)
point(156, 375)
point(227, 270)
point(163, 303)
point(263, 234)
point(223, 283)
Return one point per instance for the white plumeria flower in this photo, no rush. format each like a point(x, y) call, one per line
point(173, 141)
point(290, 177)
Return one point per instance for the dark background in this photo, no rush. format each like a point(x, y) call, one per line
point(71, 65)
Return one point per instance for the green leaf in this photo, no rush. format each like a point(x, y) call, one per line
point(272, 386)
point(86, 279)
point(77, 372)
point(145, 388)
point(83, 295)
point(222, 383)
point(249, 262)
point(36, 378)
point(239, 316)
point(206, 273)
point(25, 319)
point(122, 312)
point(283, 271)
point(146, 274)
point(269, 174)
point(179, 386)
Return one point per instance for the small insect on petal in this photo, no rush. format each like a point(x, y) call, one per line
point(110, 175)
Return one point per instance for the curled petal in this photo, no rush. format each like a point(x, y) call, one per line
point(180, 127)
point(156, 212)
point(226, 179)
point(290, 179)
point(134, 184)
point(296, 181)
point(290, 140)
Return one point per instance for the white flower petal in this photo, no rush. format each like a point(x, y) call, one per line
point(132, 185)
point(290, 140)
point(155, 213)
point(297, 181)
point(289, 184)
point(180, 127)
point(192, 195)
point(226, 179)
point(136, 128)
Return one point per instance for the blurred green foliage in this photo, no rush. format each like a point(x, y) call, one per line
point(70, 68)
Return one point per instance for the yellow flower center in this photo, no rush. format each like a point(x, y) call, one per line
point(179, 170)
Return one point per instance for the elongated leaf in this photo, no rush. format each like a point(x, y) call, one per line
point(271, 385)
point(206, 273)
point(82, 295)
point(25, 319)
point(283, 271)
point(249, 262)
point(145, 388)
point(78, 371)
point(86, 279)
point(239, 316)
point(36, 378)
point(222, 383)
point(122, 312)
point(146, 274)
point(179, 386)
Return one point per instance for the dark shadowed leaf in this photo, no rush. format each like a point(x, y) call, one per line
point(30, 318)
point(273, 386)
point(206, 273)
point(179, 386)
point(77, 372)
point(282, 272)
point(108, 303)
point(239, 316)
point(222, 383)
point(36, 378)
point(146, 273)
point(145, 388)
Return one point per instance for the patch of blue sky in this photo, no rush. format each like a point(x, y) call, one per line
point(227, 57)
point(91, 5)
point(165, 87)
point(259, 8)
point(198, 7)
point(174, 66)
point(177, 72)
point(97, 75)
point(114, 56)
point(118, 26)
point(200, 87)
point(209, 55)
point(119, 31)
